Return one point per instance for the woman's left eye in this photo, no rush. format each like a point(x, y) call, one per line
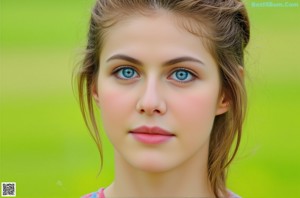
point(182, 75)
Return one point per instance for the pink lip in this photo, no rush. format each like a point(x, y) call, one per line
point(151, 135)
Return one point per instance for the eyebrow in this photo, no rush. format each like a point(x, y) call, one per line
point(169, 62)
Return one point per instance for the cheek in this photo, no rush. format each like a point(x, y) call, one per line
point(195, 111)
point(115, 104)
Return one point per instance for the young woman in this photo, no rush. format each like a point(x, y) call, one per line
point(167, 76)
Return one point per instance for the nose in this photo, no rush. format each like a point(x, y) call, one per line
point(151, 100)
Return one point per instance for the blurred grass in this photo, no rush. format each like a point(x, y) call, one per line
point(45, 146)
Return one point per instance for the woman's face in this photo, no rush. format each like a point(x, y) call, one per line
point(158, 93)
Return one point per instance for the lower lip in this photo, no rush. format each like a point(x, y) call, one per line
point(151, 138)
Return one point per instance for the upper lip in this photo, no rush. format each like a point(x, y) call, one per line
point(151, 130)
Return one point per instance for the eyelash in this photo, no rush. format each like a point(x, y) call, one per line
point(118, 69)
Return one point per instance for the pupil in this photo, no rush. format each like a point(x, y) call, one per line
point(181, 75)
point(128, 73)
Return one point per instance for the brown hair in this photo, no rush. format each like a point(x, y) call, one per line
point(228, 33)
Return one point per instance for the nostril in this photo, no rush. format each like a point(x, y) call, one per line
point(157, 111)
point(150, 111)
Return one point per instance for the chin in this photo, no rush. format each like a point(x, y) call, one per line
point(153, 164)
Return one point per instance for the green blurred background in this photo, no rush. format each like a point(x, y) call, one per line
point(47, 150)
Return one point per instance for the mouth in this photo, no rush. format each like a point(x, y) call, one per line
point(151, 135)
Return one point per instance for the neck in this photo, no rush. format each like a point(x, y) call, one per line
point(189, 179)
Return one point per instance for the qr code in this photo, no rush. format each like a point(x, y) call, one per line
point(8, 189)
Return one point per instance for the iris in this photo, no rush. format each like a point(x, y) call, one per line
point(126, 73)
point(182, 75)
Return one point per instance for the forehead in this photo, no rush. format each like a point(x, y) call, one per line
point(161, 32)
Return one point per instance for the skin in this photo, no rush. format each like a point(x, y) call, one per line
point(154, 96)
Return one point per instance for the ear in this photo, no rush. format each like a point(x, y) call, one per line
point(241, 71)
point(223, 105)
point(224, 102)
point(95, 94)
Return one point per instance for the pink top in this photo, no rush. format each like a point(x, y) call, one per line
point(100, 194)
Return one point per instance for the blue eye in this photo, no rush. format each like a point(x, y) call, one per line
point(126, 73)
point(182, 75)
